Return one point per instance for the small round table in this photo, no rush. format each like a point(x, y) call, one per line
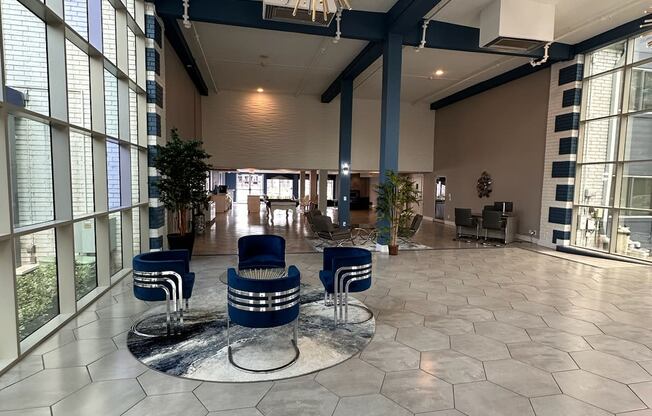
point(366, 232)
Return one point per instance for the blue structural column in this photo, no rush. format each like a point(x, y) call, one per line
point(346, 128)
point(390, 121)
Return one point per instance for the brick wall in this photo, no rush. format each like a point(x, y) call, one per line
point(108, 31)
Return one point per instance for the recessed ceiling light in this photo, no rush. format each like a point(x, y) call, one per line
point(439, 72)
point(260, 90)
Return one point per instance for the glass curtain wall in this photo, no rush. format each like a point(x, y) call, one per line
point(613, 200)
point(71, 211)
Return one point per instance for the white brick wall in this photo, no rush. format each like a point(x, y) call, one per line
point(111, 104)
point(76, 15)
point(549, 188)
point(108, 31)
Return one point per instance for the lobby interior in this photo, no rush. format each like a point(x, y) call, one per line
point(539, 111)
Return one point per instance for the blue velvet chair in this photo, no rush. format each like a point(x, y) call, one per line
point(345, 270)
point(261, 252)
point(164, 276)
point(263, 302)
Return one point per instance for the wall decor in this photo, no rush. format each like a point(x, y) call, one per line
point(484, 186)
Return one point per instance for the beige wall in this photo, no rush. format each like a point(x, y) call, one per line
point(182, 101)
point(268, 131)
point(502, 131)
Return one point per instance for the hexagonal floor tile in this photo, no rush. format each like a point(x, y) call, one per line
point(228, 396)
point(470, 313)
point(425, 307)
point(493, 304)
point(483, 398)
point(501, 331)
point(521, 378)
point(106, 398)
point(620, 347)
point(385, 332)
point(298, 399)
point(374, 404)
point(123, 309)
point(352, 378)
point(78, 353)
point(452, 366)
point(449, 326)
point(447, 299)
point(571, 325)
point(119, 364)
point(26, 367)
point(418, 391)
point(598, 391)
point(41, 411)
point(479, 347)
point(610, 366)
point(423, 339)
point(391, 356)
point(155, 383)
point(168, 405)
point(542, 356)
point(251, 411)
point(562, 405)
point(643, 391)
point(43, 389)
point(558, 339)
point(520, 319)
point(400, 319)
point(449, 412)
point(104, 328)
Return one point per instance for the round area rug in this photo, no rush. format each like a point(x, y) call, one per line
point(200, 351)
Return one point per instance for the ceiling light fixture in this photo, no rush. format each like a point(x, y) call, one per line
point(316, 6)
point(260, 89)
point(647, 22)
point(439, 72)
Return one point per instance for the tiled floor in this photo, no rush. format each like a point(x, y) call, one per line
point(460, 332)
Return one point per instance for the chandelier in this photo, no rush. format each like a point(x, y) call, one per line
point(321, 6)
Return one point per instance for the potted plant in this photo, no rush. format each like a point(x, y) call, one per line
point(183, 167)
point(396, 196)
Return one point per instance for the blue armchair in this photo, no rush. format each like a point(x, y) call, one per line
point(345, 269)
point(163, 276)
point(261, 252)
point(266, 302)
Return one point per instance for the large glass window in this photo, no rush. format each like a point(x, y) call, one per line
point(31, 171)
point(76, 15)
point(613, 211)
point(133, 117)
point(111, 104)
point(131, 50)
point(79, 86)
point(135, 222)
point(36, 280)
point(113, 173)
point(25, 53)
point(135, 189)
point(85, 258)
point(109, 31)
point(279, 188)
point(115, 243)
point(81, 174)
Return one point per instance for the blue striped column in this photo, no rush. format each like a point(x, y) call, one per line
point(155, 121)
point(346, 130)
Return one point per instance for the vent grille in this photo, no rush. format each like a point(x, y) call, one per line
point(304, 17)
point(515, 44)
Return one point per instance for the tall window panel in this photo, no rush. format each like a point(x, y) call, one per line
point(109, 31)
point(81, 172)
point(111, 104)
point(135, 182)
point(113, 173)
point(25, 53)
point(133, 117)
point(79, 86)
point(31, 171)
point(613, 211)
point(131, 7)
point(36, 281)
point(131, 53)
point(76, 15)
point(135, 221)
point(85, 258)
point(115, 243)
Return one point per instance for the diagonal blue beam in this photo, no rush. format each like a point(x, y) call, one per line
point(406, 14)
point(175, 37)
point(366, 57)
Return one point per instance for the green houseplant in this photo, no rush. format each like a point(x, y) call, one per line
point(396, 196)
point(183, 167)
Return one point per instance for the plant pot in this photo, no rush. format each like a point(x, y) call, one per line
point(393, 250)
point(182, 242)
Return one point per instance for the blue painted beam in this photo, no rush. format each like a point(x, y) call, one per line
point(621, 32)
point(175, 37)
point(361, 25)
point(483, 86)
point(390, 117)
point(366, 57)
point(406, 14)
point(346, 131)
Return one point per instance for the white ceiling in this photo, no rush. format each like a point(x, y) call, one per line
point(245, 59)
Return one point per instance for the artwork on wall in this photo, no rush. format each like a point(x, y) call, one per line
point(484, 185)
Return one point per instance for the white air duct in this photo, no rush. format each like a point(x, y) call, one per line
point(517, 25)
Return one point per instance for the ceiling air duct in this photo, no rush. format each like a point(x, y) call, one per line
point(517, 25)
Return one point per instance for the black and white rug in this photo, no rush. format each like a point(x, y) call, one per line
point(318, 245)
point(200, 352)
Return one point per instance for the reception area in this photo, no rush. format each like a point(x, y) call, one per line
point(330, 208)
